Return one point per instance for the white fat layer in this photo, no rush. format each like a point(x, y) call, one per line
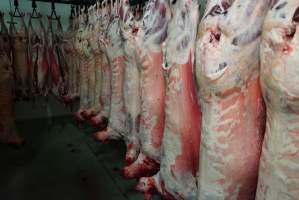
point(279, 165)
point(106, 86)
point(227, 58)
point(181, 32)
point(115, 48)
point(117, 114)
point(97, 56)
point(91, 78)
point(149, 118)
point(82, 63)
point(179, 45)
point(175, 183)
point(132, 87)
point(115, 55)
point(211, 162)
point(149, 121)
point(148, 37)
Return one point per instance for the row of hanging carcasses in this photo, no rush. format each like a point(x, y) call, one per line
point(148, 93)
point(154, 107)
point(8, 131)
point(38, 56)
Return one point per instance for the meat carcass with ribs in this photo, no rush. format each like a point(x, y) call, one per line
point(101, 119)
point(149, 50)
point(131, 86)
point(116, 126)
point(37, 46)
point(279, 165)
point(89, 64)
point(72, 60)
point(55, 76)
point(32, 55)
point(20, 61)
point(180, 147)
point(232, 105)
point(8, 132)
point(62, 62)
point(97, 54)
point(79, 46)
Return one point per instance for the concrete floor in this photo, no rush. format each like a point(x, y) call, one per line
point(62, 162)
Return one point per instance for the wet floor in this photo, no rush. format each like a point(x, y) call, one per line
point(61, 161)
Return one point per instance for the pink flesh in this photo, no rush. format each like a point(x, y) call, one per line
point(55, 73)
point(116, 124)
point(96, 121)
point(183, 123)
point(20, 65)
point(184, 106)
point(8, 132)
point(45, 72)
point(153, 99)
point(152, 116)
point(131, 154)
point(79, 115)
point(279, 164)
point(143, 166)
point(105, 97)
point(242, 169)
point(233, 110)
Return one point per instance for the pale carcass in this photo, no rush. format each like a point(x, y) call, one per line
point(180, 147)
point(8, 132)
point(101, 119)
point(149, 49)
point(72, 60)
point(97, 54)
point(20, 61)
point(89, 62)
point(38, 58)
point(115, 53)
point(80, 42)
point(56, 79)
point(131, 85)
point(279, 165)
point(62, 62)
point(232, 104)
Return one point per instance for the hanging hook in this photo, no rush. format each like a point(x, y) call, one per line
point(16, 3)
point(53, 15)
point(77, 10)
point(16, 12)
point(73, 13)
point(34, 13)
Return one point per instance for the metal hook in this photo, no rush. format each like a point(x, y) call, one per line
point(16, 12)
point(73, 13)
point(34, 13)
point(53, 15)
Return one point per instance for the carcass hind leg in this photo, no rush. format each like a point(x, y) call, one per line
point(146, 185)
point(143, 166)
point(107, 134)
point(132, 151)
point(99, 121)
point(89, 113)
